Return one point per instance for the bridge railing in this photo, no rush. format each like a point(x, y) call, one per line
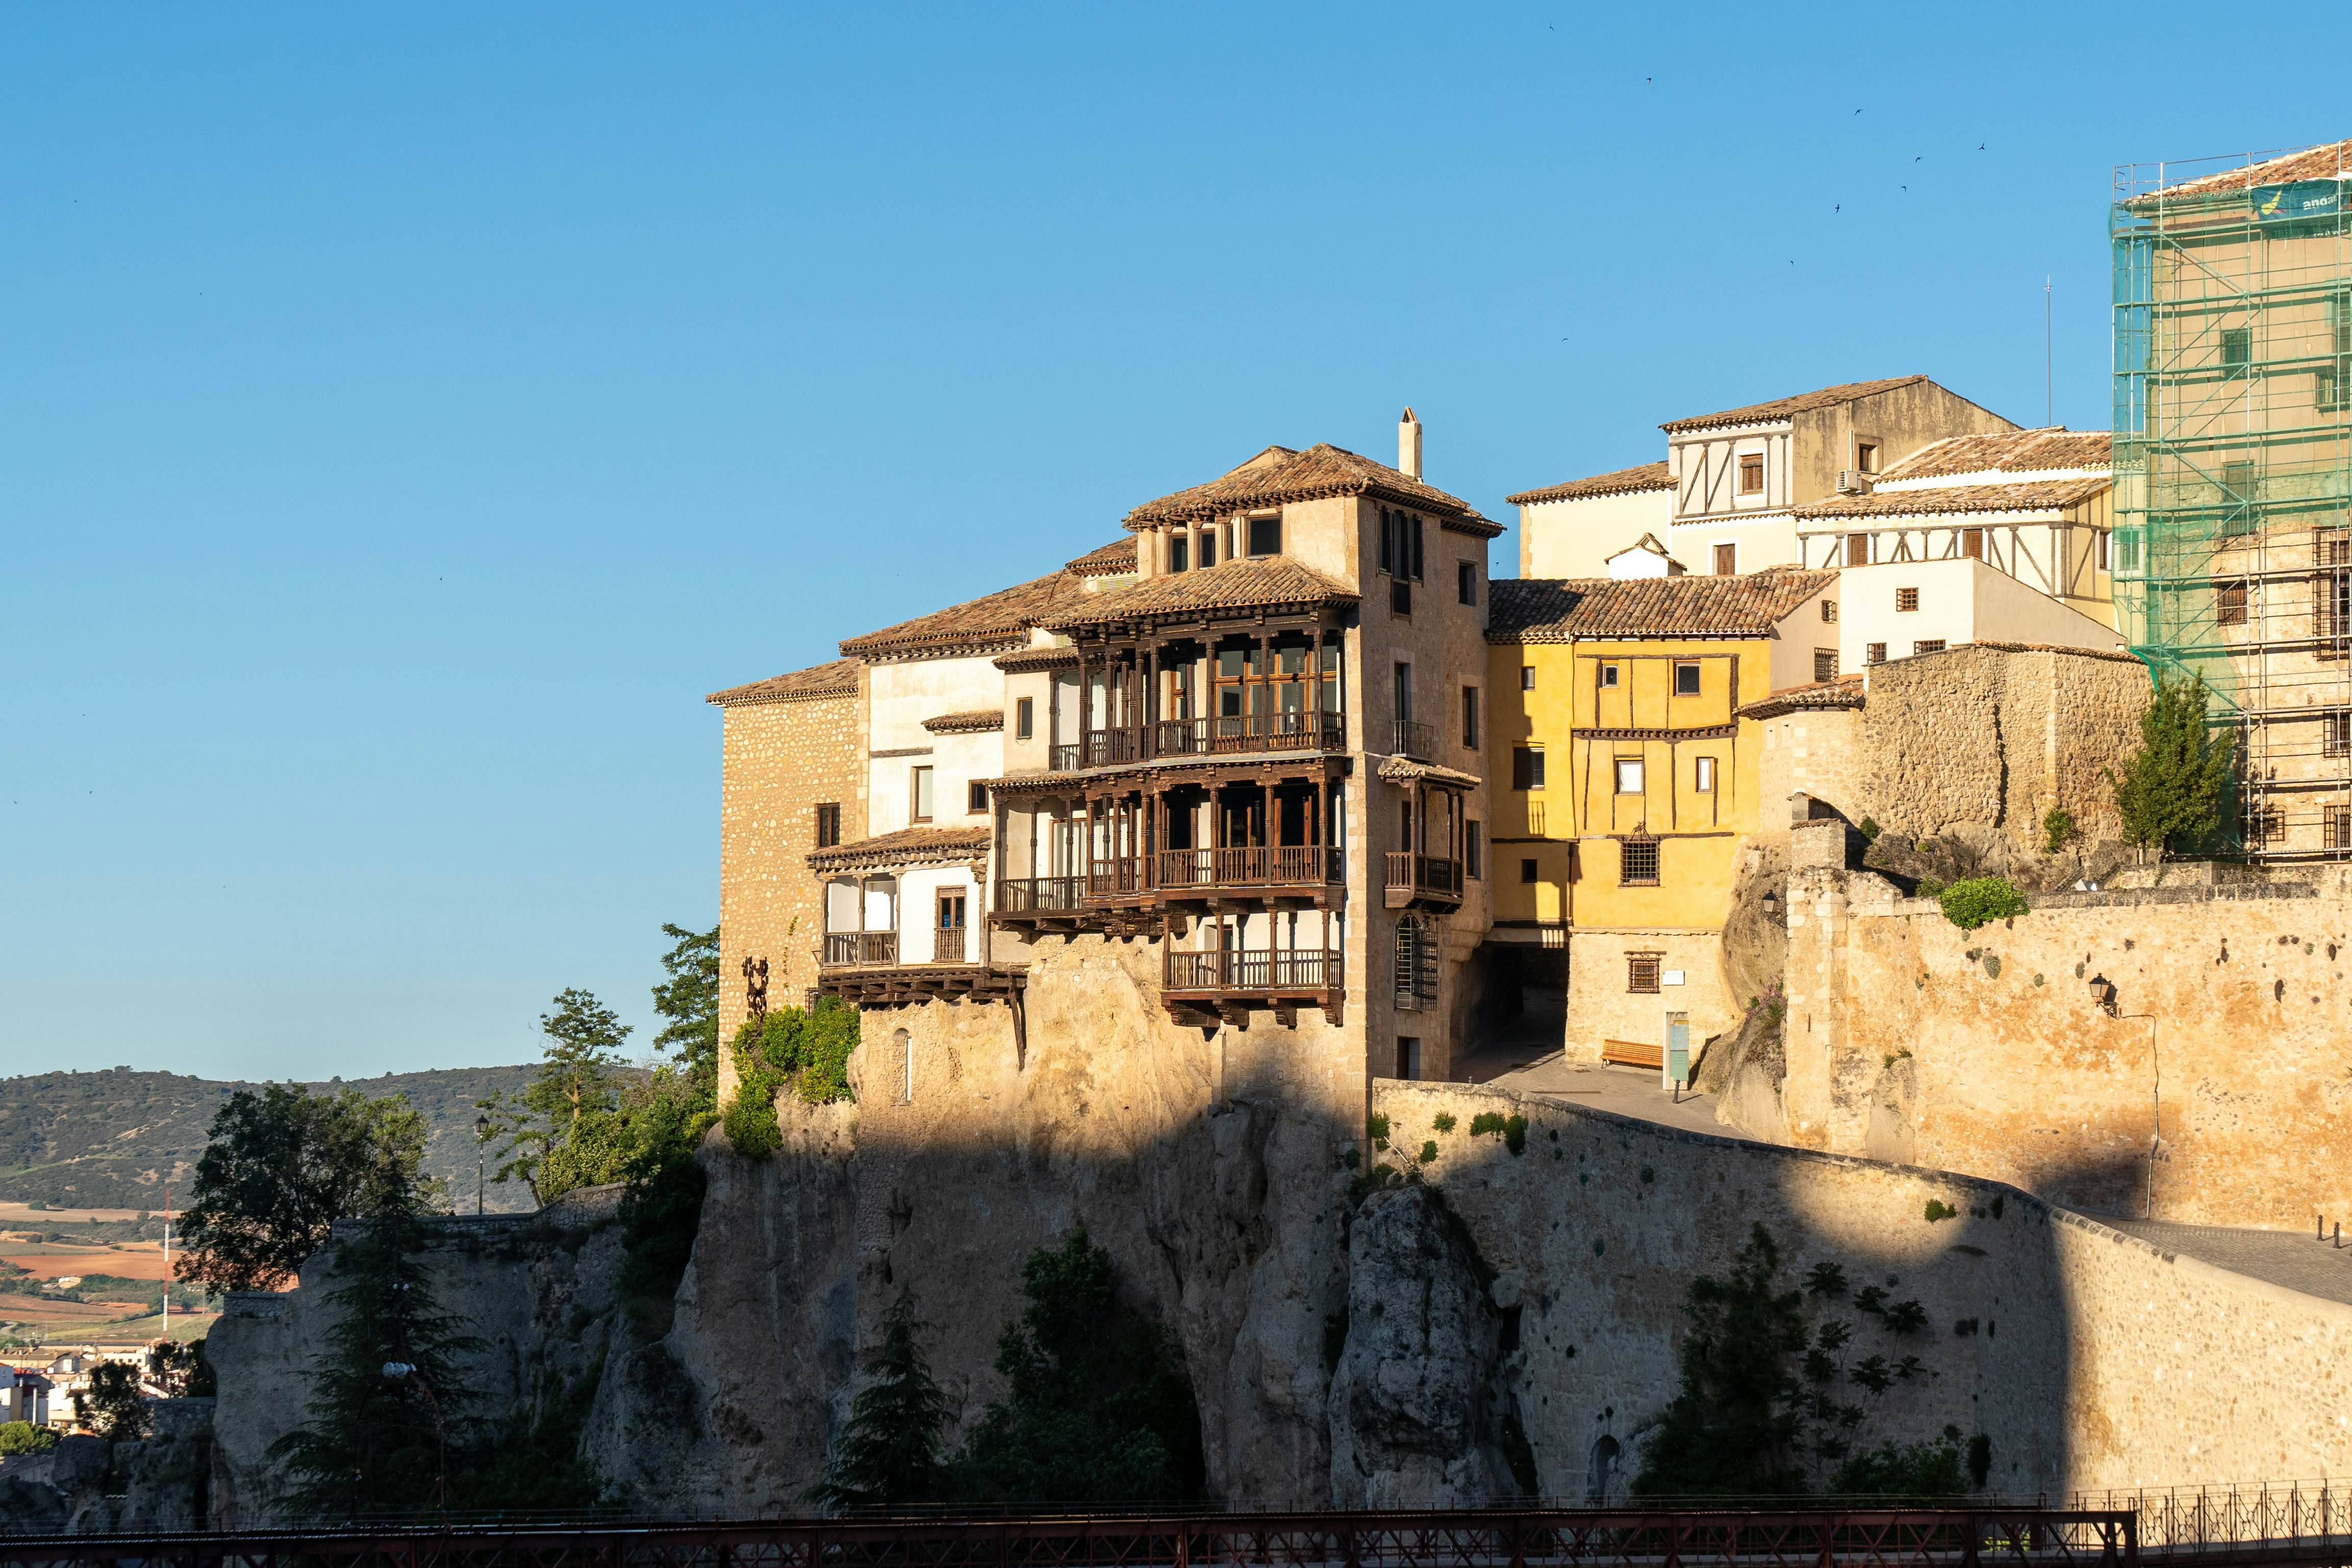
point(2277, 1520)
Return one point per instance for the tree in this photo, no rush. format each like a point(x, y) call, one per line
point(179, 1368)
point(1733, 1428)
point(112, 1405)
point(23, 1437)
point(564, 1132)
point(1097, 1410)
point(889, 1452)
point(280, 1168)
point(688, 999)
point(662, 1206)
point(388, 1411)
point(2170, 792)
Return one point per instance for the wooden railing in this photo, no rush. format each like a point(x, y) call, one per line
point(1260, 866)
point(949, 946)
point(1408, 739)
point(1424, 875)
point(1040, 895)
point(1111, 877)
point(860, 949)
point(1224, 970)
point(1299, 731)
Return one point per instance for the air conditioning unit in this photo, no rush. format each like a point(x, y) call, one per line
point(1852, 482)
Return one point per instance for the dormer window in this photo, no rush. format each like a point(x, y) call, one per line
point(1865, 456)
point(1265, 536)
point(1208, 547)
point(1179, 551)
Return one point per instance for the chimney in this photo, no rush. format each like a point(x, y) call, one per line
point(1409, 445)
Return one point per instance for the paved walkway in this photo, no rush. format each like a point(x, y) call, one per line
point(1526, 1055)
point(2289, 1258)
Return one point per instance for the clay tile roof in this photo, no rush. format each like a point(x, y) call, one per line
point(907, 846)
point(2329, 160)
point(1782, 408)
point(1405, 770)
point(2018, 452)
point(1620, 481)
point(834, 677)
point(1539, 610)
point(976, 624)
point(2024, 495)
point(1050, 658)
point(1110, 560)
point(972, 722)
point(1279, 475)
point(1252, 583)
point(1845, 691)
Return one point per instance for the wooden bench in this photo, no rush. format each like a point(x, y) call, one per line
point(1633, 1053)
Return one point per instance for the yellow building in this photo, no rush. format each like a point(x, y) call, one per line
point(1632, 785)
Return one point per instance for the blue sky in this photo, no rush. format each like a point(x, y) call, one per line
point(407, 414)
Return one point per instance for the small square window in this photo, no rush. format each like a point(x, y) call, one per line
point(1751, 474)
point(1527, 677)
point(2237, 351)
point(1865, 456)
point(1399, 598)
point(922, 794)
point(1642, 973)
point(2336, 734)
point(1465, 582)
point(1857, 550)
point(1824, 664)
point(1705, 782)
point(1265, 536)
point(2337, 820)
point(1686, 679)
point(1527, 767)
point(1637, 863)
point(1527, 871)
point(1608, 675)
point(1828, 612)
point(1629, 775)
point(1875, 654)
point(2230, 604)
point(1727, 560)
point(1025, 718)
point(1906, 599)
point(1927, 645)
point(975, 796)
point(1973, 544)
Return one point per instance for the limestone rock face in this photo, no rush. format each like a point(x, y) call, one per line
point(1412, 1404)
point(86, 1483)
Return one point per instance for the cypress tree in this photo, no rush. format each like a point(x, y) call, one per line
point(2169, 794)
point(889, 1452)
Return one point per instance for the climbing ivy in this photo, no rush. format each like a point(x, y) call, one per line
point(807, 1051)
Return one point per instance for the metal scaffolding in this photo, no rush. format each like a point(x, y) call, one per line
point(2231, 555)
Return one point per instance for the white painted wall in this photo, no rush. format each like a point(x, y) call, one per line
point(1801, 632)
point(1767, 541)
point(902, 695)
point(1576, 538)
point(1961, 601)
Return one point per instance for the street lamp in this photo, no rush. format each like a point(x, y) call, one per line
point(481, 1160)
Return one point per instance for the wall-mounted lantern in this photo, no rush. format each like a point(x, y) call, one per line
point(2102, 992)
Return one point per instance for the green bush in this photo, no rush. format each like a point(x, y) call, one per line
point(1978, 900)
point(806, 1052)
point(1378, 1127)
point(2058, 829)
point(1445, 1122)
point(1938, 1210)
point(1485, 1124)
point(23, 1437)
point(1915, 1470)
point(1869, 830)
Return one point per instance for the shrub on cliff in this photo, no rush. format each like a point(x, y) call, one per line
point(1978, 900)
point(1098, 1408)
point(23, 1437)
point(1908, 1470)
point(2170, 792)
point(889, 1453)
point(661, 1208)
point(807, 1051)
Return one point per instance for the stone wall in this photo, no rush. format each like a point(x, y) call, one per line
point(2090, 1359)
point(1911, 1039)
point(782, 757)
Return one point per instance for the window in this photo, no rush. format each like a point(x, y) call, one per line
point(2335, 736)
point(2331, 594)
point(1907, 599)
point(1686, 679)
point(1474, 852)
point(1404, 692)
point(1400, 545)
point(1527, 677)
point(1527, 871)
point(1629, 775)
point(1865, 456)
point(1857, 550)
point(1637, 863)
point(1527, 767)
point(922, 794)
point(2337, 820)
point(1642, 973)
point(2230, 604)
point(1751, 474)
point(1828, 612)
point(2266, 824)
point(1927, 645)
point(1973, 544)
point(1408, 1057)
point(1608, 675)
point(1399, 598)
point(1727, 560)
point(975, 796)
point(1470, 717)
point(1465, 582)
point(1208, 547)
point(1824, 664)
point(2237, 497)
point(1025, 718)
point(1875, 654)
point(1416, 962)
point(1265, 536)
point(2102, 546)
point(2237, 351)
point(828, 824)
point(2333, 380)
point(1705, 780)
point(948, 942)
point(1180, 550)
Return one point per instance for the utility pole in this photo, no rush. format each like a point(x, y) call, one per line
point(167, 1263)
point(2049, 382)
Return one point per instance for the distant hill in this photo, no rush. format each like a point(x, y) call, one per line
point(112, 1139)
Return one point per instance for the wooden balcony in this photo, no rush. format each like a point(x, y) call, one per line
point(1225, 983)
point(1421, 879)
point(1313, 868)
point(1231, 735)
point(863, 968)
point(1407, 739)
point(860, 949)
